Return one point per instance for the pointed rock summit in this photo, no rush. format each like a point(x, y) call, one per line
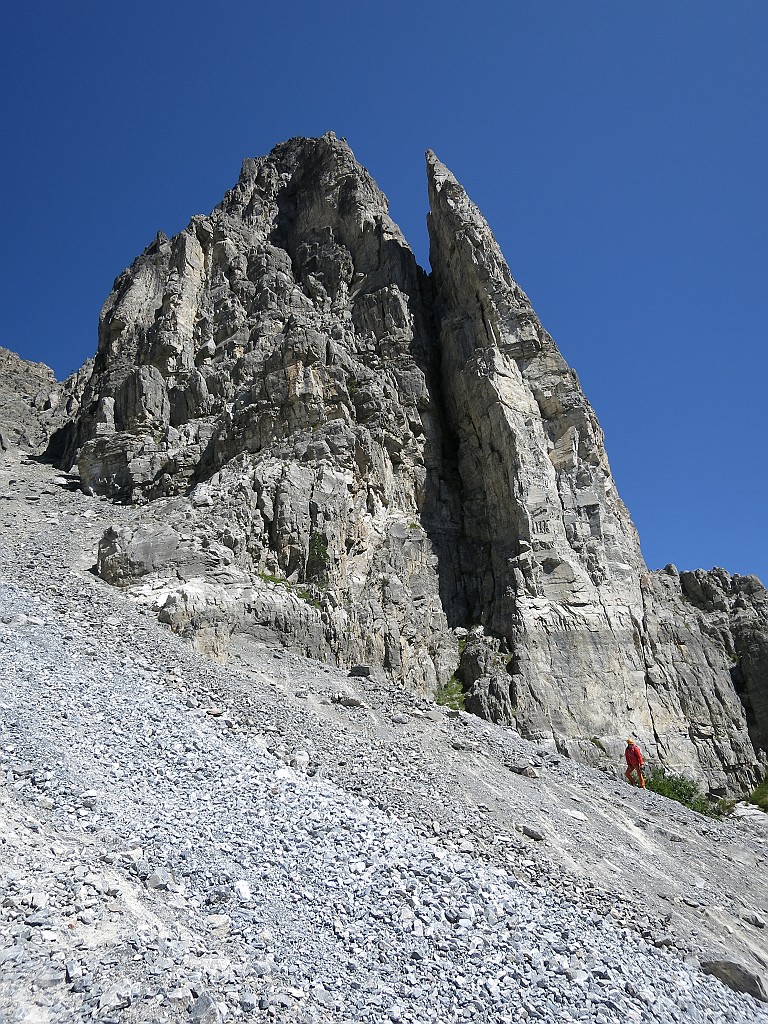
point(551, 555)
point(335, 451)
point(549, 559)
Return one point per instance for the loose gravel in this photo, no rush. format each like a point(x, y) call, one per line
point(180, 841)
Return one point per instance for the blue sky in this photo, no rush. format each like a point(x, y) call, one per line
point(618, 150)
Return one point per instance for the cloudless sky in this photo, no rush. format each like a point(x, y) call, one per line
point(617, 148)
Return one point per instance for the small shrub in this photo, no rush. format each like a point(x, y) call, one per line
point(684, 791)
point(451, 695)
point(318, 562)
point(759, 796)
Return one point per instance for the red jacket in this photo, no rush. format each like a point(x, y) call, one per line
point(633, 755)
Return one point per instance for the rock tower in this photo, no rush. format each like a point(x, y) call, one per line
point(339, 452)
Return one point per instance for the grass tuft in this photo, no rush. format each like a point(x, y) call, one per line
point(759, 796)
point(451, 695)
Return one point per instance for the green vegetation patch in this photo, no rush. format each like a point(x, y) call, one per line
point(759, 796)
point(318, 562)
point(300, 592)
point(451, 695)
point(684, 791)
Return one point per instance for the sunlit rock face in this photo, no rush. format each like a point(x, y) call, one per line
point(265, 382)
point(338, 452)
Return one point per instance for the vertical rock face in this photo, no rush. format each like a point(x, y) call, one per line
point(336, 450)
point(549, 559)
point(705, 642)
point(580, 644)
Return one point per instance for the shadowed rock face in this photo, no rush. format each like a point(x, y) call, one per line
point(338, 452)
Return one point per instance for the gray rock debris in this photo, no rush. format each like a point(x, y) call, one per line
point(391, 885)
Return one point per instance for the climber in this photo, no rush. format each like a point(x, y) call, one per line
point(634, 758)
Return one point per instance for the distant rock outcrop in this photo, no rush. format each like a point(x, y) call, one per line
point(32, 402)
point(375, 465)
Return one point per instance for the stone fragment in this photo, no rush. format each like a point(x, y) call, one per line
point(160, 878)
point(300, 760)
point(204, 1010)
point(532, 833)
point(243, 891)
point(118, 997)
point(219, 923)
point(48, 979)
point(348, 700)
point(249, 1002)
point(754, 919)
point(737, 977)
point(180, 998)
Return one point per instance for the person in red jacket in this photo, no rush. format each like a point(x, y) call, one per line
point(634, 759)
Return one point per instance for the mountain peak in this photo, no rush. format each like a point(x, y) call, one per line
point(336, 452)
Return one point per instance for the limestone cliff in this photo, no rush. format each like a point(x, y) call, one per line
point(264, 379)
point(336, 450)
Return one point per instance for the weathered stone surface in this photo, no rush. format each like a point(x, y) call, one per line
point(267, 371)
point(705, 644)
point(342, 454)
point(547, 558)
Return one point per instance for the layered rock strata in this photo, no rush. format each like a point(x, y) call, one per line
point(337, 451)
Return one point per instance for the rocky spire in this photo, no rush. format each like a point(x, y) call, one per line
point(549, 561)
point(554, 551)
